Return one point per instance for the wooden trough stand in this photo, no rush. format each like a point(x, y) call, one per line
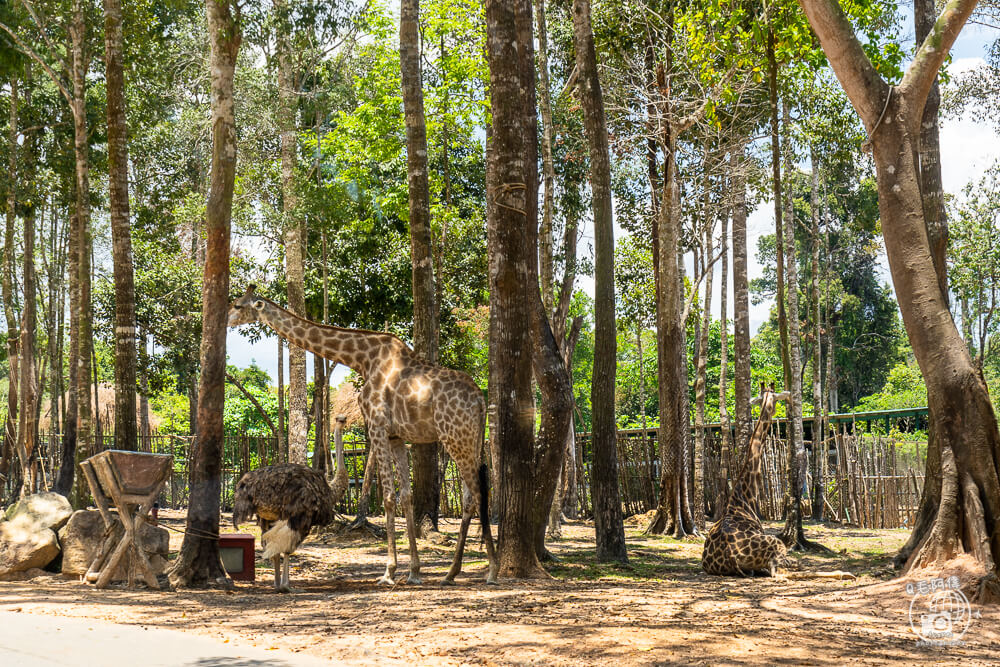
point(132, 481)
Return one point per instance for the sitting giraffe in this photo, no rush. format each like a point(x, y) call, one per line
point(736, 545)
point(404, 399)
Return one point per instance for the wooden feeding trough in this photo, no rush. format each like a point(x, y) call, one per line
point(132, 481)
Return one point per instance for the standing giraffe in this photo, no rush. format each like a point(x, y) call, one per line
point(736, 545)
point(404, 399)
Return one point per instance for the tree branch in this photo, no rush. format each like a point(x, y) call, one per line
point(863, 85)
point(43, 30)
point(28, 51)
point(919, 77)
point(239, 385)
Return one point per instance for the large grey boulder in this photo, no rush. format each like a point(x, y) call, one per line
point(84, 533)
point(25, 545)
point(45, 510)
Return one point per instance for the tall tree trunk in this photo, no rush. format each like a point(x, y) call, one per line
point(671, 355)
point(10, 441)
point(28, 386)
point(198, 562)
point(725, 432)
point(70, 455)
point(518, 322)
point(545, 257)
point(701, 341)
point(125, 354)
point(426, 485)
point(321, 448)
point(294, 236)
point(741, 299)
point(83, 243)
point(793, 535)
point(604, 473)
point(819, 451)
point(282, 434)
point(772, 81)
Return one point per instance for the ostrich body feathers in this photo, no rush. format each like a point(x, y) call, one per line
point(295, 496)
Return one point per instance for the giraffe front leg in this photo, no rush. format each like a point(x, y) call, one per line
point(406, 500)
point(380, 448)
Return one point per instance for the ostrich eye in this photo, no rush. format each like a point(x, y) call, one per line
point(258, 304)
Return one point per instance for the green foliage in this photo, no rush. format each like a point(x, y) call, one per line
point(904, 388)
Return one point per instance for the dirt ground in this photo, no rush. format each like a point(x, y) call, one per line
point(661, 609)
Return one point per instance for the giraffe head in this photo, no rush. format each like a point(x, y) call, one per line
point(246, 309)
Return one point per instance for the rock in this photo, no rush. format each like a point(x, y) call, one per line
point(45, 510)
point(33, 573)
point(25, 545)
point(84, 533)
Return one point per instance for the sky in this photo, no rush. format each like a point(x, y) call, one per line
point(967, 149)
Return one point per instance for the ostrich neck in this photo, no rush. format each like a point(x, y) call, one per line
point(338, 440)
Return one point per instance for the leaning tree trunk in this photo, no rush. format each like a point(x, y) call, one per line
point(936, 222)
point(518, 322)
point(426, 485)
point(198, 562)
point(125, 353)
point(962, 416)
point(604, 471)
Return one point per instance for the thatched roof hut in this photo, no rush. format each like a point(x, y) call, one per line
point(344, 401)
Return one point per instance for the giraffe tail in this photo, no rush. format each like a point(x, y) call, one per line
point(484, 518)
point(484, 498)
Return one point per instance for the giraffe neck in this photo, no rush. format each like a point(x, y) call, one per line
point(355, 348)
point(749, 482)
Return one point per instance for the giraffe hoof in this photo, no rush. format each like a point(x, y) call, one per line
point(386, 580)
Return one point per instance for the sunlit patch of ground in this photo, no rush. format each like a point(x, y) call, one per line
point(660, 608)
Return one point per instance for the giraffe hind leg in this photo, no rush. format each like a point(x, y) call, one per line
point(380, 446)
point(468, 508)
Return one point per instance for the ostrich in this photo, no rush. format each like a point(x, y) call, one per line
point(288, 500)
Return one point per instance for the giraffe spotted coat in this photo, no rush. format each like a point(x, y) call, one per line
point(736, 545)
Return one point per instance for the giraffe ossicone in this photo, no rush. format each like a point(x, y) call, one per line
point(736, 544)
point(403, 399)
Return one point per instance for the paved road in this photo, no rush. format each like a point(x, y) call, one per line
point(34, 640)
